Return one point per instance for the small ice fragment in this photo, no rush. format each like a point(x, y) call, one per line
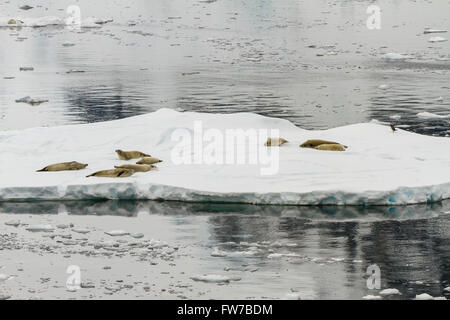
point(4, 277)
point(337, 259)
point(4, 297)
point(395, 56)
point(62, 226)
point(388, 292)
point(214, 278)
point(383, 87)
point(117, 233)
point(218, 253)
point(26, 69)
point(137, 235)
point(275, 255)
point(26, 7)
point(437, 39)
point(13, 223)
point(31, 101)
point(68, 44)
point(429, 30)
point(431, 115)
point(372, 297)
point(447, 289)
point(292, 296)
point(40, 228)
point(80, 230)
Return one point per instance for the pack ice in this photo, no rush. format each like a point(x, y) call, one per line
point(380, 167)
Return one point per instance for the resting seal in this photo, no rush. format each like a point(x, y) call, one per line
point(148, 160)
point(275, 142)
point(317, 142)
point(331, 147)
point(114, 173)
point(136, 167)
point(73, 165)
point(127, 155)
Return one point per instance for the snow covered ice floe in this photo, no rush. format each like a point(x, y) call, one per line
point(378, 168)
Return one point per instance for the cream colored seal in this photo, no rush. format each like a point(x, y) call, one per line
point(148, 160)
point(127, 155)
point(330, 147)
point(63, 166)
point(114, 173)
point(136, 167)
point(313, 143)
point(275, 142)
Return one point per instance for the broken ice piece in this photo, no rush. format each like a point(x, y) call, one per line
point(40, 228)
point(13, 223)
point(31, 101)
point(117, 233)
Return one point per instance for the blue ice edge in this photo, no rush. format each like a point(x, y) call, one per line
point(133, 191)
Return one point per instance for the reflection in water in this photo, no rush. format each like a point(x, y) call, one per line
point(324, 250)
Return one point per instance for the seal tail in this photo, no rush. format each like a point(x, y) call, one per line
point(91, 175)
point(42, 170)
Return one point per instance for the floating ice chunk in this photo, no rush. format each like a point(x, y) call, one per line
point(437, 39)
point(137, 235)
point(31, 101)
point(292, 296)
point(40, 228)
point(430, 30)
point(117, 233)
point(275, 255)
point(5, 277)
point(383, 87)
point(26, 7)
point(13, 223)
point(396, 56)
point(337, 259)
point(424, 296)
point(68, 44)
point(372, 297)
point(430, 115)
point(26, 69)
point(388, 292)
point(214, 278)
point(81, 230)
point(218, 253)
point(447, 289)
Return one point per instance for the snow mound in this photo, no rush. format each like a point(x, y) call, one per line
point(378, 168)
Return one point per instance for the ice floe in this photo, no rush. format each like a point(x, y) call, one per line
point(379, 167)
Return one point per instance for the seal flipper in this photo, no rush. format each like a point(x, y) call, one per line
point(121, 173)
point(43, 169)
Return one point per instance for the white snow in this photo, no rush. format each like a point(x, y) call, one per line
point(424, 296)
point(379, 167)
point(372, 297)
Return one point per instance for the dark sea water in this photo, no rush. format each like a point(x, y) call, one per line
point(312, 62)
point(332, 247)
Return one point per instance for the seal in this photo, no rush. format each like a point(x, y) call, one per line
point(331, 147)
point(275, 142)
point(148, 160)
point(136, 167)
point(113, 173)
point(317, 142)
point(127, 155)
point(63, 166)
